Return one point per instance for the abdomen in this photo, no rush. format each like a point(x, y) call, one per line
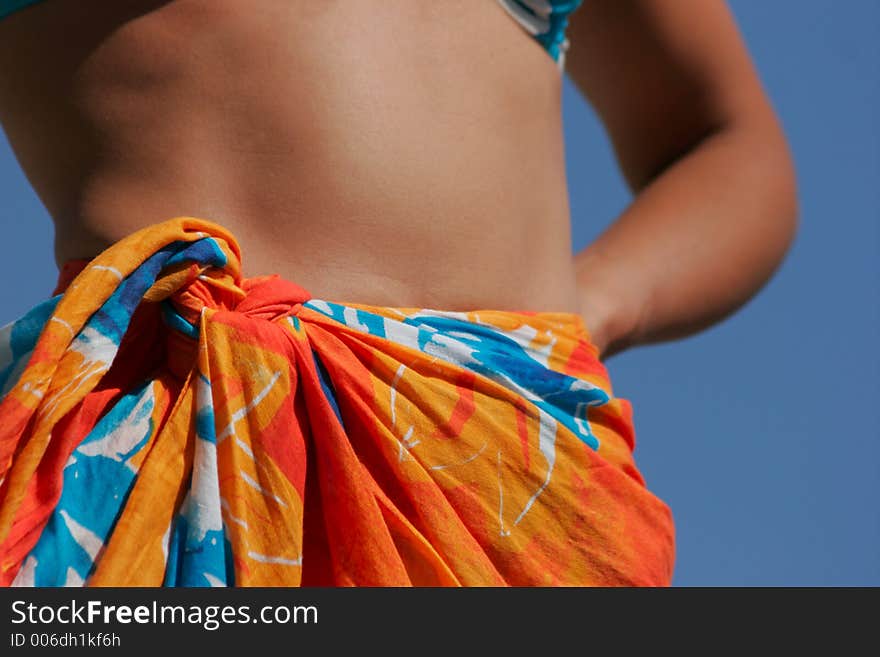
point(389, 153)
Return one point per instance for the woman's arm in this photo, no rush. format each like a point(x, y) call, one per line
point(700, 146)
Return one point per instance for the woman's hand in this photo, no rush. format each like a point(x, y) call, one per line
point(610, 321)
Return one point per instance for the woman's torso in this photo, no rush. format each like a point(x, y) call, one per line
point(388, 153)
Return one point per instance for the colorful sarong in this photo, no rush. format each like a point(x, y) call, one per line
point(165, 421)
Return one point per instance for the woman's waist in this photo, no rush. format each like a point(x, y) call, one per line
point(486, 258)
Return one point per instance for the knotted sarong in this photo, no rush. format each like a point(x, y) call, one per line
point(166, 421)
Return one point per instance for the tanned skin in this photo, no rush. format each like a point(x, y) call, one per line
point(410, 153)
point(701, 148)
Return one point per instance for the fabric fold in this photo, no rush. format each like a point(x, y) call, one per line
point(166, 421)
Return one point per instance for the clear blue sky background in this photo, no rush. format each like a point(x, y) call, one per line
point(763, 433)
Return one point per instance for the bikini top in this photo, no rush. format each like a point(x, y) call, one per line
point(545, 20)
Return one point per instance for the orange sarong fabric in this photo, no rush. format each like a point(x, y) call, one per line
point(165, 421)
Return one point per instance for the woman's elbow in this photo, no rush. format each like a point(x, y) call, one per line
point(773, 181)
point(783, 191)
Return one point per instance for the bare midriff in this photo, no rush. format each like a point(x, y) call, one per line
point(379, 152)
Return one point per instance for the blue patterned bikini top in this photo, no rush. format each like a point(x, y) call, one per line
point(545, 20)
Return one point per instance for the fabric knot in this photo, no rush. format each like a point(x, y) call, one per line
point(194, 270)
point(198, 268)
point(268, 298)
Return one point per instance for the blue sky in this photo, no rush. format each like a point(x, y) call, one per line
point(762, 433)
